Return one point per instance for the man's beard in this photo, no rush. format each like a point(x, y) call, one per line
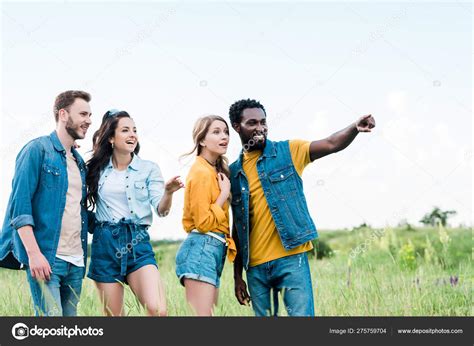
point(251, 144)
point(72, 129)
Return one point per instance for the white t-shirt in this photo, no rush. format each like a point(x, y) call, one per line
point(114, 196)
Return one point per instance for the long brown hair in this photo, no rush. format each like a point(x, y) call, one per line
point(201, 128)
point(101, 152)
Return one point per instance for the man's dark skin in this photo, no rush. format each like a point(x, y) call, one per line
point(253, 130)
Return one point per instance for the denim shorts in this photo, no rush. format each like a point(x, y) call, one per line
point(119, 249)
point(201, 257)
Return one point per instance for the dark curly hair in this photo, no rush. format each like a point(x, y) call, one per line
point(235, 111)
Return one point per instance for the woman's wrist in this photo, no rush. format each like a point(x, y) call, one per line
point(221, 199)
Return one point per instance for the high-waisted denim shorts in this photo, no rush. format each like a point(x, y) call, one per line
point(119, 249)
point(201, 257)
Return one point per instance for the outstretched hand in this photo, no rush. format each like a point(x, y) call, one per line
point(174, 184)
point(365, 123)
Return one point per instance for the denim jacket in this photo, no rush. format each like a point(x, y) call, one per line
point(38, 199)
point(144, 188)
point(283, 189)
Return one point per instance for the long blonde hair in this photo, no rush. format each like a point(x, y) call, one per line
point(201, 127)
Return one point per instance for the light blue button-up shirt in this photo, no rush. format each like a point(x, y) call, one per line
point(144, 188)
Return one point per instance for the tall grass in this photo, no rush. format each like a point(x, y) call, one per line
point(430, 277)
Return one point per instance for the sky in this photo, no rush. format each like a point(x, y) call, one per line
point(315, 66)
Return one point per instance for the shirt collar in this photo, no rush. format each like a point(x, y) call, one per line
point(205, 163)
point(269, 149)
point(56, 142)
point(135, 162)
point(133, 165)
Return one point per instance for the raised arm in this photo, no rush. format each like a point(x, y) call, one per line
point(341, 139)
point(171, 186)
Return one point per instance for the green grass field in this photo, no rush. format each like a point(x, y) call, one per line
point(395, 272)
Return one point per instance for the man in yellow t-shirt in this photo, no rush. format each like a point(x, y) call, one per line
point(272, 225)
point(266, 243)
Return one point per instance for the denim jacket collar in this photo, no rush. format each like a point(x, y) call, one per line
point(56, 142)
point(59, 147)
point(79, 160)
point(268, 151)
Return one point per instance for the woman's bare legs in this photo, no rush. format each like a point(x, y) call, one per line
point(201, 296)
point(111, 297)
point(147, 285)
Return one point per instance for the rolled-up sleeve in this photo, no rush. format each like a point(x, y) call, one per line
point(22, 220)
point(156, 187)
point(25, 183)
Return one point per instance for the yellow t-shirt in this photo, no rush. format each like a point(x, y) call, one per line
point(265, 242)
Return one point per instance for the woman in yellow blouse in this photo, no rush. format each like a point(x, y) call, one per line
point(200, 258)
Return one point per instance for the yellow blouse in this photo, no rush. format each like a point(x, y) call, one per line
point(200, 210)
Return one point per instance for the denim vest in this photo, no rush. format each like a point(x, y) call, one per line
point(38, 199)
point(283, 189)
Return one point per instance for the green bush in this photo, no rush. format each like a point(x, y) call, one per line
point(321, 249)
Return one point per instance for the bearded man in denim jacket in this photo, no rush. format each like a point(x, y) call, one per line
point(272, 225)
point(46, 223)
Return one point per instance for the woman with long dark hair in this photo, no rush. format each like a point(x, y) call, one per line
point(124, 189)
point(200, 258)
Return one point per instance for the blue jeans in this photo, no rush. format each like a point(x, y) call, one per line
point(58, 296)
point(289, 275)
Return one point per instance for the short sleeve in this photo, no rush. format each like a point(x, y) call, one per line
point(300, 154)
